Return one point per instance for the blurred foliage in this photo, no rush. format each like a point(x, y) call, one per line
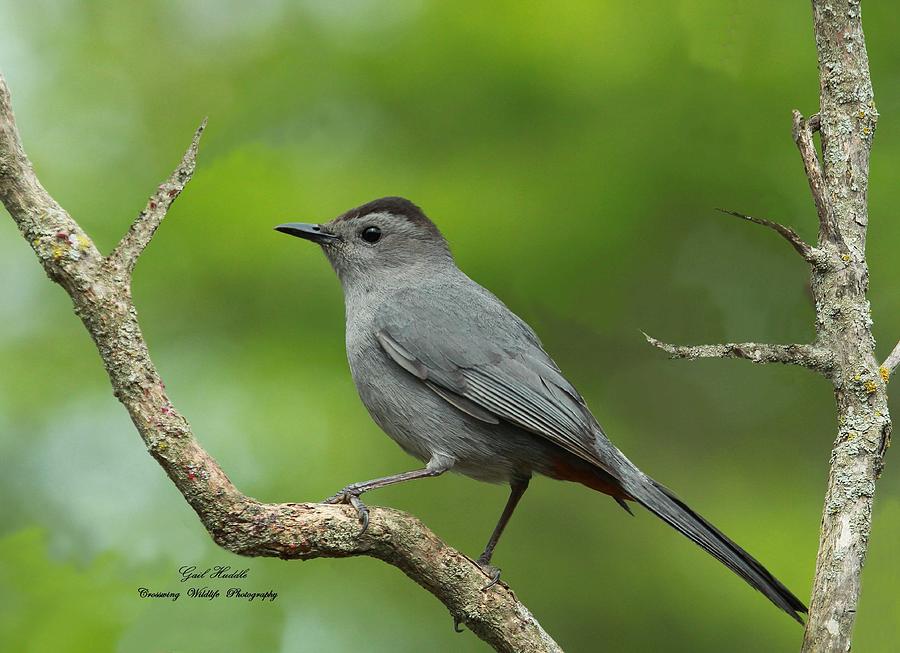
point(572, 153)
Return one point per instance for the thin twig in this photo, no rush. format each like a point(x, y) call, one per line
point(138, 236)
point(802, 133)
point(809, 356)
point(890, 363)
point(803, 248)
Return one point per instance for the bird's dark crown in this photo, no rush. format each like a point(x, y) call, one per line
point(399, 207)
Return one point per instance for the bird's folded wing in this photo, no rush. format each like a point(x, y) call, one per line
point(521, 385)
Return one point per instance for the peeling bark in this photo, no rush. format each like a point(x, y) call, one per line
point(100, 288)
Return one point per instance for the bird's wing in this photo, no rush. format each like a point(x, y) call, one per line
point(481, 358)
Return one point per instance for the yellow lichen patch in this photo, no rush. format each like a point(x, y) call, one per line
point(83, 242)
point(162, 446)
point(58, 251)
point(885, 373)
point(870, 387)
point(845, 257)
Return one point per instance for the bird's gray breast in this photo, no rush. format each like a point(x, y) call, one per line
point(392, 400)
point(417, 418)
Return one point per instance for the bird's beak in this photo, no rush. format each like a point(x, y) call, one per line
point(311, 232)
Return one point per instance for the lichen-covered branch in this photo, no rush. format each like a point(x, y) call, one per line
point(808, 253)
point(801, 131)
point(100, 291)
point(64, 250)
point(809, 356)
point(847, 119)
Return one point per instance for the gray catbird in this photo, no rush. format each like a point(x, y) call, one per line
point(462, 383)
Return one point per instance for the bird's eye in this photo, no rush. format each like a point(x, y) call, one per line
point(371, 234)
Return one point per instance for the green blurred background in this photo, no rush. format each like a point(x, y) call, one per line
point(573, 154)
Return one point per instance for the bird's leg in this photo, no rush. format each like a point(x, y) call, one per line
point(517, 489)
point(351, 493)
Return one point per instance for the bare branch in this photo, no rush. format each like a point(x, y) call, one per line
point(235, 521)
point(802, 134)
point(126, 253)
point(803, 248)
point(809, 356)
point(65, 251)
point(890, 363)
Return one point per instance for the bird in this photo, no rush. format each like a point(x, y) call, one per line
point(463, 384)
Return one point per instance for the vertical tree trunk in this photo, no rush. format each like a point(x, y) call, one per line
point(843, 325)
point(844, 349)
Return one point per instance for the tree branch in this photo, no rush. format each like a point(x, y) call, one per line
point(66, 253)
point(809, 356)
point(100, 292)
point(808, 253)
point(802, 133)
point(138, 236)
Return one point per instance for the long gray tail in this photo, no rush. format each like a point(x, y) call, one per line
point(664, 504)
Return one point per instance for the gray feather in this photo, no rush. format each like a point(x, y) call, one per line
point(464, 404)
point(497, 363)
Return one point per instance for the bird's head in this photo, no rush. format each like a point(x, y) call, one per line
point(390, 236)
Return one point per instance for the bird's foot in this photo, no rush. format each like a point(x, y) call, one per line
point(350, 496)
point(490, 571)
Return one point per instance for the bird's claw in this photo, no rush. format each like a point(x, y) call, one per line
point(351, 497)
point(490, 571)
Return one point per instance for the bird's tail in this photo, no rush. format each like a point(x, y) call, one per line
point(663, 503)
